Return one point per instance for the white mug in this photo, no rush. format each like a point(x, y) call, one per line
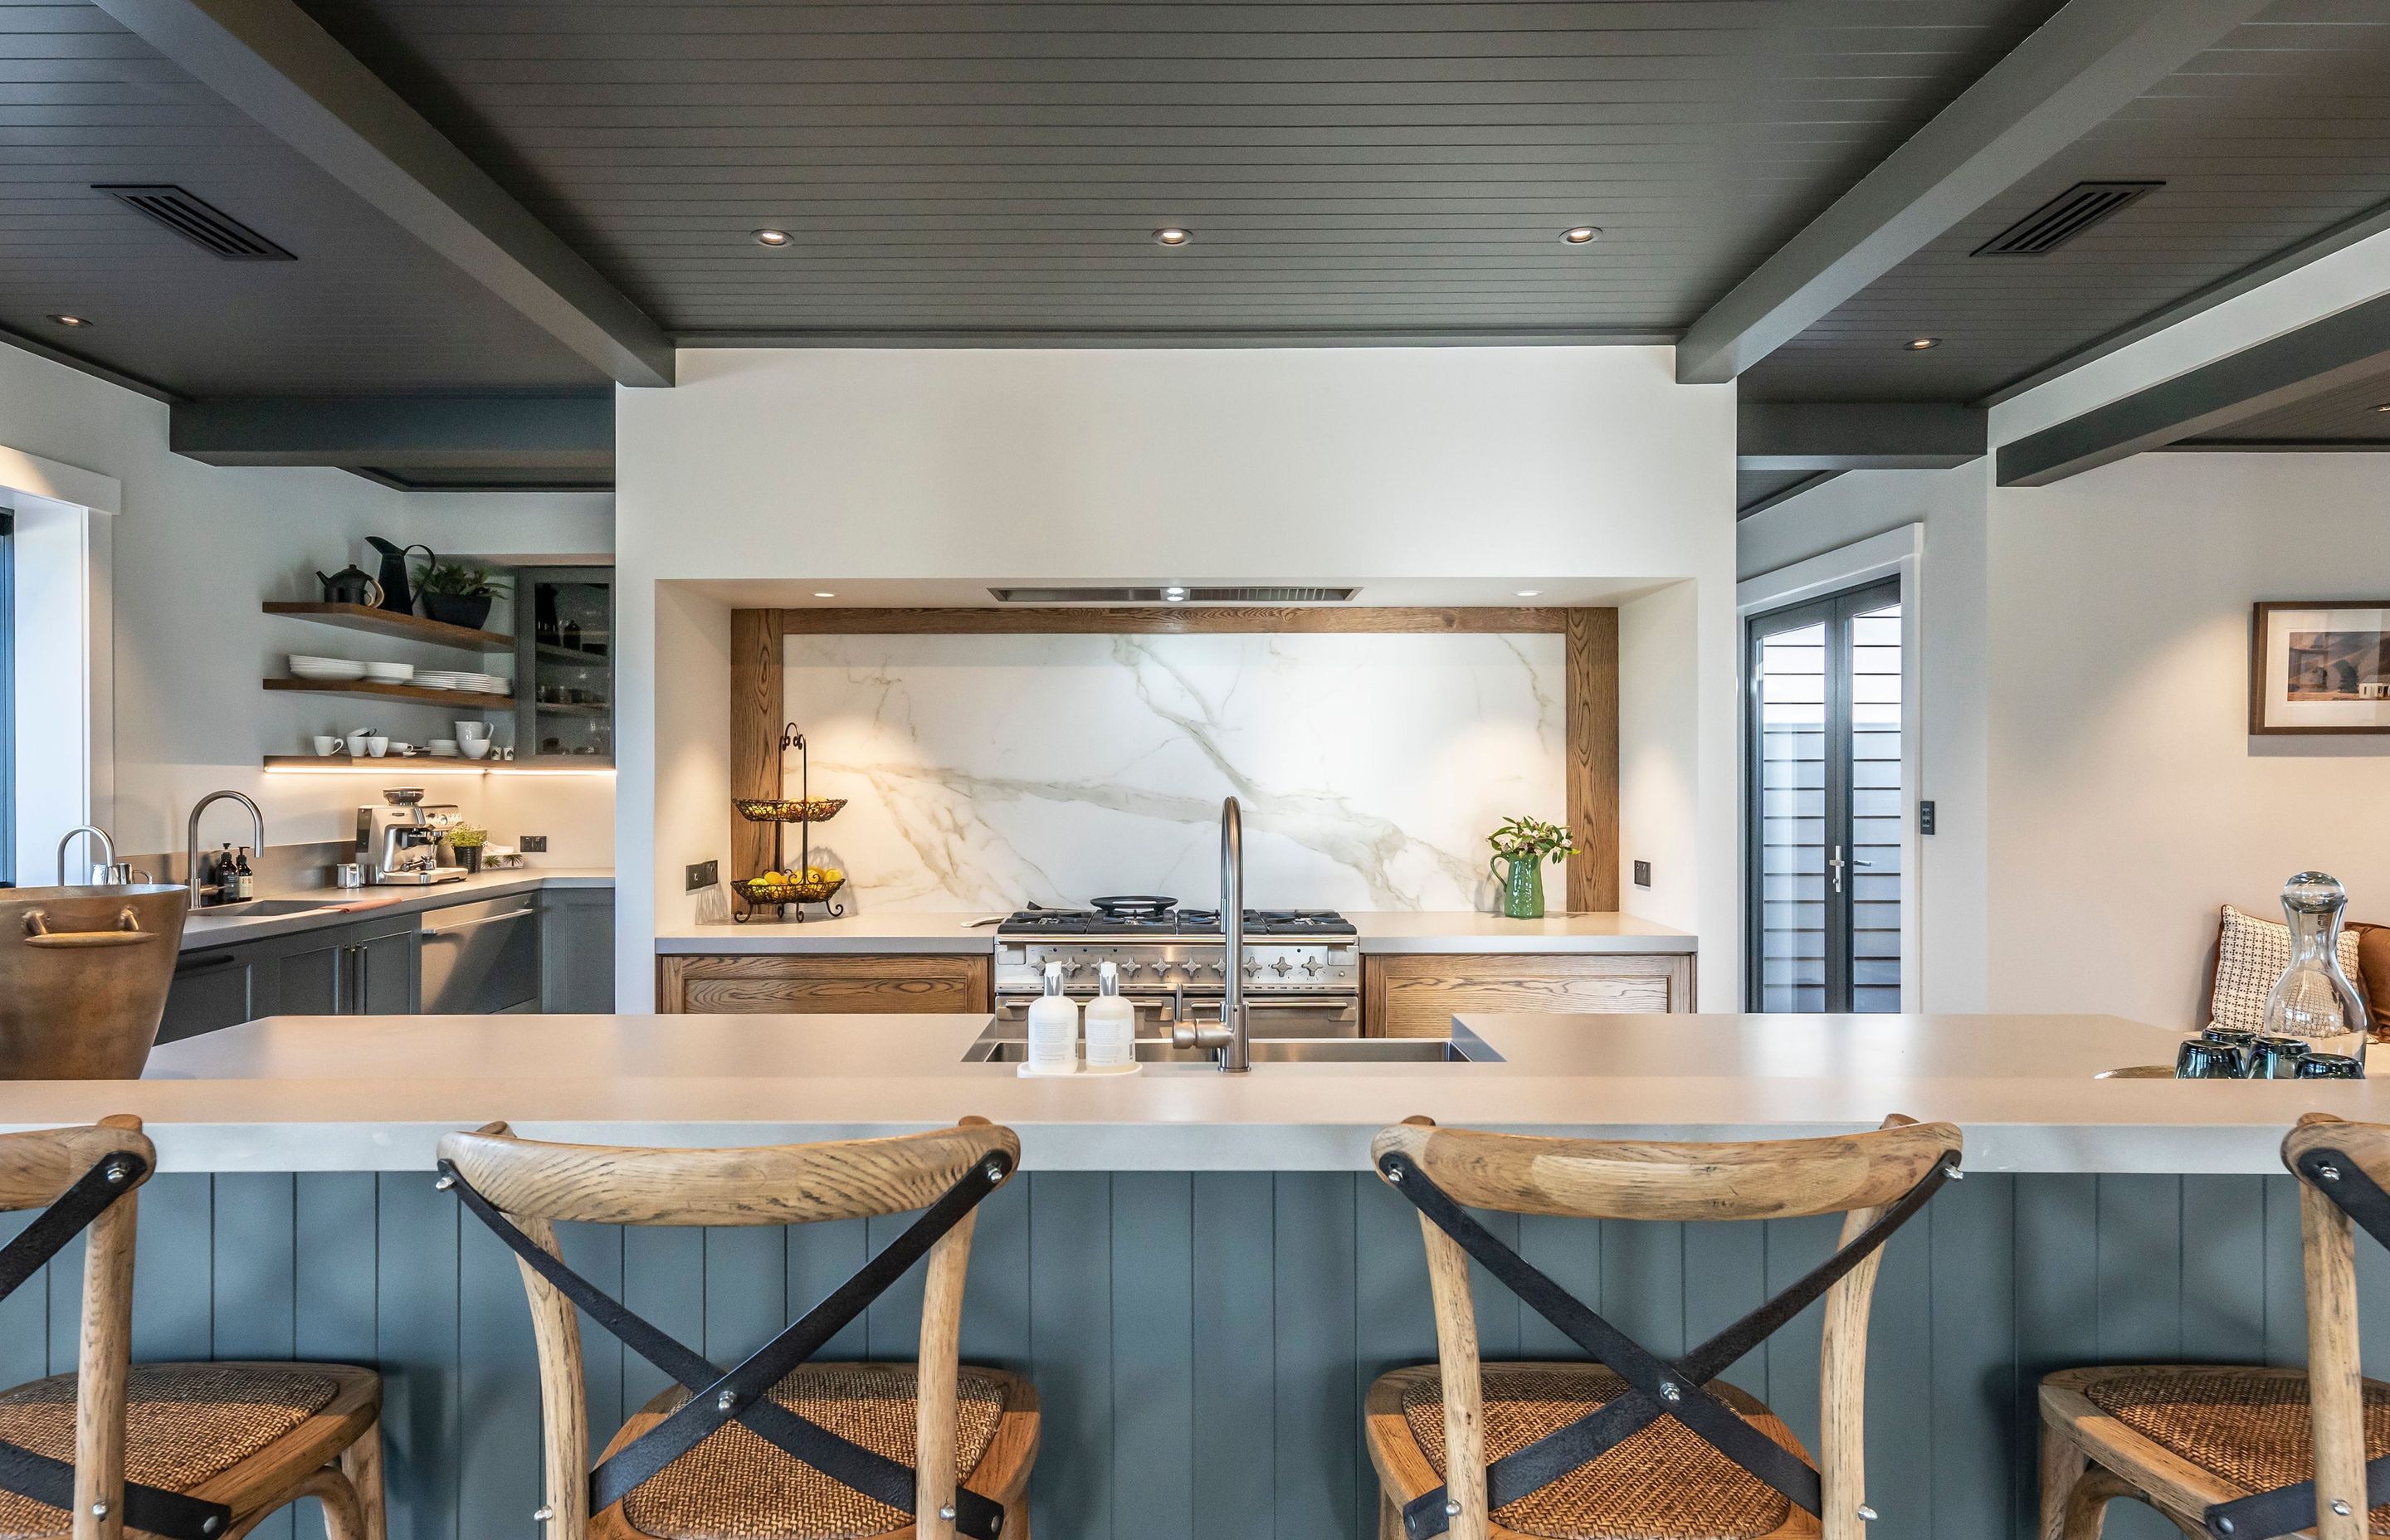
point(357, 741)
point(326, 746)
point(377, 747)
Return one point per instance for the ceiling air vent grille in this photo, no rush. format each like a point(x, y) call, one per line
point(1173, 595)
point(198, 222)
point(2064, 217)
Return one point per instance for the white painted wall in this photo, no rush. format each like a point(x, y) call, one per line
point(2127, 798)
point(189, 556)
point(1205, 465)
point(2086, 713)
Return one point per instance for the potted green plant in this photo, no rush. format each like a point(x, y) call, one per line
point(459, 593)
point(1526, 844)
point(467, 840)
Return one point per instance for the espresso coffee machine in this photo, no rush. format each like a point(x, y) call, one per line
point(398, 843)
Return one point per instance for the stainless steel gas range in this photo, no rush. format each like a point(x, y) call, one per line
point(1301, 967)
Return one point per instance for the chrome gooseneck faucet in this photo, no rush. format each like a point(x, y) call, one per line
point(1228, 1039)
point(191, 838)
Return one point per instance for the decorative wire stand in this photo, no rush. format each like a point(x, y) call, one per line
point(754, 895)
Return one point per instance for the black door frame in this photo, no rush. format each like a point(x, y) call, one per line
point(1836, 610)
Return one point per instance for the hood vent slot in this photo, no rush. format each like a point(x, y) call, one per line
point(198, 222)
point(1159, 596)
point(2064, 217)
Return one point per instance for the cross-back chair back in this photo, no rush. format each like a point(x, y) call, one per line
point(536, 1186)
point(1863, 1176)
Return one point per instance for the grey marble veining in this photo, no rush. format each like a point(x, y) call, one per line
point(986, 771)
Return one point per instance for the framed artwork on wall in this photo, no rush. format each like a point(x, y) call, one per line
point(2320, 666)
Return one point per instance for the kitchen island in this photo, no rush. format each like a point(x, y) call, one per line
point(1197, 1270)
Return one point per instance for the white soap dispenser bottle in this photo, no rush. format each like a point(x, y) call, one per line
point(1053, 1029)
point(1112, 1026)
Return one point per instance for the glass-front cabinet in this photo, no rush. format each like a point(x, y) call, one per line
point(564, 664)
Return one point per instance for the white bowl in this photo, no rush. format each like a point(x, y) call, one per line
point(474, 748)
point(467, 731)
point(390, 673)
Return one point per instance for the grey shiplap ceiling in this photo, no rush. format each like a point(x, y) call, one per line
point(366, 309)
point(2352, 414)
point(2271, 138)
point(1343, 165)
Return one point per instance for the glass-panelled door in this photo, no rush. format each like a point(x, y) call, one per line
point(1825, 803)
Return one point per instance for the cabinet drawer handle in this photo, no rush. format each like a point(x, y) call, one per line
point(222, 960)
point(469, 924)
point(128, 932)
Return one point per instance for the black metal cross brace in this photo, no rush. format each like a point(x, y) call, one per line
point(1656, 1389)
point(52, 1481)
point(743, 1393)
point(2288, 1510)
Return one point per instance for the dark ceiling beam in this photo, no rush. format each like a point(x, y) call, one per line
point(1856, 435)
point(1810, 482)
point(39, 349)
point(269, 58)
point(2321, 356)
point(398, 434)
point(2085, 63)
point(1187, 337)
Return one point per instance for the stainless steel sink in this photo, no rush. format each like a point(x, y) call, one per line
point(1467, 1048)
point(263, 908)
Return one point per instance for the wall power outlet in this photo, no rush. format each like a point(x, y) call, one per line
point(703, 874)
point(532, 844)
point(1642, 874)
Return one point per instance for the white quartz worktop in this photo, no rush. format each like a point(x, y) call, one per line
point(375, 1093)
point(225, 926)
point(921, 933)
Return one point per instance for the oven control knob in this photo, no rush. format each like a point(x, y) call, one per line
point(1312, 968)
point(1280, 967)
point(1252, 970)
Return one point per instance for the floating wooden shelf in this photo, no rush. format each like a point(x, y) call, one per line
point(389, 623)
point(439, 761)
point(572, 708)
point(372, 691)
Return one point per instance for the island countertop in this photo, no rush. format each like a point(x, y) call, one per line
point(922, 933)
point(375, 1093)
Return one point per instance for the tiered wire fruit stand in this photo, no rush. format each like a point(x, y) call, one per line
point(756, 895)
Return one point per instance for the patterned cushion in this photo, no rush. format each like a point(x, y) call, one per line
point(2249, 957)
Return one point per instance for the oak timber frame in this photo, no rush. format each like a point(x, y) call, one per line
point(758, 701)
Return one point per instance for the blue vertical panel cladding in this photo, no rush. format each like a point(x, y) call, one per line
point(1203, 1344)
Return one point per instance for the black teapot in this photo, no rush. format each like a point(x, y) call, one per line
point(351, 584)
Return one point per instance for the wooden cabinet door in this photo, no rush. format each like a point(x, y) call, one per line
point(811, 984)
point(1416, 994)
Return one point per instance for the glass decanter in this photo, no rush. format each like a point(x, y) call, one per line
point(2314, 999)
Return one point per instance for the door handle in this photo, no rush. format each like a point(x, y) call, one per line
point(486, 919)
point(1835, 866)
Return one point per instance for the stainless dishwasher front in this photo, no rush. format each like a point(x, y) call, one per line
point(482, 958)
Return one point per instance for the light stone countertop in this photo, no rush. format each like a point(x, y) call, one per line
point(924, 932)
point(225, 926)
point(375, 1093)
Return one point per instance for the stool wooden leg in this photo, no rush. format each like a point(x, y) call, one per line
point(2062, 1463)
point(2086, 1504)
point(361, 1462)
point(1390, 1518)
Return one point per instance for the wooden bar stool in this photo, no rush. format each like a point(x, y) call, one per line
point(2238, 1453)
point(186, 1451)
point(777, 1447)
point(1629, 1444)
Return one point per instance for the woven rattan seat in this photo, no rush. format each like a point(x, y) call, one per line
point(185, 1423)
point(737, 1486)
point(1663, 1484)
point(2248, 1429)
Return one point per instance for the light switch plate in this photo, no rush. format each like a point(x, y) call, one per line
point(532, 844)
point(704, 873)
point(1642, 874)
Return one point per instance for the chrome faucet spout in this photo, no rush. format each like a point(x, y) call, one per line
point(1236, 1054)
point(106, 849)
point(191, 838)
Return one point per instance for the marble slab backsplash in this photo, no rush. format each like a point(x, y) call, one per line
point(986, 772)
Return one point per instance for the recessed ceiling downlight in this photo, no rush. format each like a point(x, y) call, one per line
point(1529, 593)
point(1581, 235)
point(1921, 344)
point(1172, 235)
point(771, 238)
point(1174, 595)
point(2383, 407)
point(824, 593)
point(71, 320)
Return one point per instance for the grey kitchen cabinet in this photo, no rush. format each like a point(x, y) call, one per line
point(577, 950)
point(482, 958)
point(215, 988)
point(307, 977)
point(379, 963)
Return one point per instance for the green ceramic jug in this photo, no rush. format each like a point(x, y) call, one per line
point(1522, 890)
